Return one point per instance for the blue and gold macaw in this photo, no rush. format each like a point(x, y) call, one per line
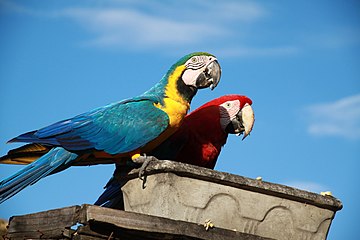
point(129, 128)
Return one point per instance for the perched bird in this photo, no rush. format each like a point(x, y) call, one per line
point(198, 141)
point(205, 130)
point(121, 130)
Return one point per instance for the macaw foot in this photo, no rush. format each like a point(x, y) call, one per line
point(144, 161)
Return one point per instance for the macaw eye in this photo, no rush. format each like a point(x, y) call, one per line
point(228, 105)
point(193, 59)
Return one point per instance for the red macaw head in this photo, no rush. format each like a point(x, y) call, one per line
point(235, 113)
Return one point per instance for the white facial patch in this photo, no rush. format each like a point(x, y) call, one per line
point(189, 76)
point(194, 67)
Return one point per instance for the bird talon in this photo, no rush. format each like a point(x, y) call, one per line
point(144, 161)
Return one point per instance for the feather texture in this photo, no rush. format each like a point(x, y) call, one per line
point(53, 160)
point(113, 132)
point(25, 154)
point(198, 141)
point(114, 129)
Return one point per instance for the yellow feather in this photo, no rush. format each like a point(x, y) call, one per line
point(174, 105)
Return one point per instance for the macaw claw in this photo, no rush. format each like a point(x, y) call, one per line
point(144, 161)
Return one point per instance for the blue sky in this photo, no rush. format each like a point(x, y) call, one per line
point(297, 60)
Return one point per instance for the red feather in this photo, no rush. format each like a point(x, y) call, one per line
point(200, 138)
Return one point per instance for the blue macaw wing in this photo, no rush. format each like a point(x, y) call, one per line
point(115, 129)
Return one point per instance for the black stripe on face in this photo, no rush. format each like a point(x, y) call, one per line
point(196, 62)
point(195, 66)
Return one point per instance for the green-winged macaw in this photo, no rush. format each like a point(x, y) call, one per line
point(204, 131)
point(121, 130)
point(198, 141)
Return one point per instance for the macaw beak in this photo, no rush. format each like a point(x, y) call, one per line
point(210, 77)
point(243, 122)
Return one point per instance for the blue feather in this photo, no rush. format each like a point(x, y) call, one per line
point(116, 128)
point(112, 197)
point(112, 191)
point(55, 160)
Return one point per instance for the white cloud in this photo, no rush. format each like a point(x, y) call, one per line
point(339, 118)
point(130, 27)
point(308, 186)
point(196, 23)
point(185, 25)
point(153, 24)
point(244, 11)
point(149, 25)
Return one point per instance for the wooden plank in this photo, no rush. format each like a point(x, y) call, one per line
point(49, 234)
point(116, 222)
point(48, 224)
point(58, 218)
point(86, 230)
point(94, 222)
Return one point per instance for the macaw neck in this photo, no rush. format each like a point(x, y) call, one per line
point(172, 86)
point(206, 123)
point(174, 99)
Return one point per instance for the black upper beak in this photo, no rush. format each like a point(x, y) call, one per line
point(210, 77)
point(242, 123)
point(235, 126)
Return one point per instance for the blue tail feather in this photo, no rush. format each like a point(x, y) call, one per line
point(55, 159)
point(112, 197)
point(113, 189)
